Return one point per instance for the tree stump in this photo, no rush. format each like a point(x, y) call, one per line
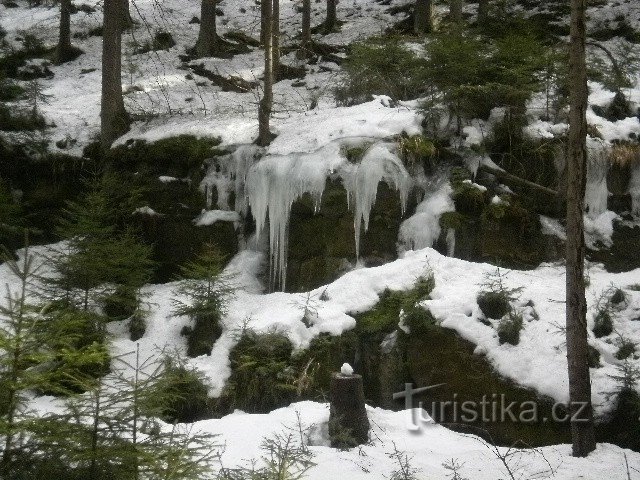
point(348, 422)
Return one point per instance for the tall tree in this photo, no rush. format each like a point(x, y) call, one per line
point(423, 16)
point(483, 13)
point(113, 116)
point(266, 103)
point(275, 42)
point(208, 43)
point(331, 21)
point(582, 431)
point(455, 11)
point(64, 51)
point(305, 37)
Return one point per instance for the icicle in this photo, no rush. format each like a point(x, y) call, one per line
point(634, 187)
point(227, 175)
point(378, 164)
point(273, 184)
point(596, 193)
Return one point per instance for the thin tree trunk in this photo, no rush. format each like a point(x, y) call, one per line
point(266, 104)
point(207, 44)
point(305, 41)
point(331, 22)
point(582, 431)
point(125, 12)
point(483, 14)
point(63, 52)
point(264, 19)
point(423, 16)
point(113, 116)
point(455, 11)
point(275, 46)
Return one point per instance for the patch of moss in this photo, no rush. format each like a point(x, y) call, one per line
point(593, 357)
point(626, 349)
point(202, 335)
point(180, 156)
point(469, 199)
point(354, 153)
point(262, 377)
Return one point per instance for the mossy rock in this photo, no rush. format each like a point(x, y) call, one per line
point(202, 335)
point(179, 156)
point(322, 243)
point(509, 329)
point(622, 256)
point(469, 199)
point(176, 240)
point(593, 357)
point(603, 324)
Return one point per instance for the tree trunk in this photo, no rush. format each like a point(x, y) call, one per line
point(125, 14)
point(264, 19)
point(63, 52)
point(348, 422)
point(582, 432)
point(275, 42)
point(331, 22)
point(455, 11)
point(113, 117)
point(266, 103)
point(305, 40)
point(423, 16)
point(483, 14)
point(207, 44)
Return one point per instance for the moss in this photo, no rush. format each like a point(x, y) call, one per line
point(509, 329)
point(416, 149)
point(603, 324)
point(180, 156)
point(493, 304)
point(468, 199)
point(181, 395)
point(452, 220)
point(121, 304)
point(618, 297)
point(202, 335)
point(262, 378)
point(354, 153)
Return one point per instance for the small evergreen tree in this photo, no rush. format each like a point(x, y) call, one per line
point(203, 296)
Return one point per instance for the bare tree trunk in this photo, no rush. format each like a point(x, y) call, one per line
point(208, 43)
point(305, 40)
point(264, 19)
point(275, 42)
point(63, 51)
point(348, 422)
point(582, 431)
point(483, 14)
point(455, 11)
point(266, 103)
point(423, 16)
point(113, 116)
point(331, 22)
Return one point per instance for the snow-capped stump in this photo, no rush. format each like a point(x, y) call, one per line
point(348, 422)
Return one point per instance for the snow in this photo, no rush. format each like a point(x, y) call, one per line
point(428, 448)
point(422, 229)
point(146, 210)
point(276, 181)
point(209, 217)
point(346, 369)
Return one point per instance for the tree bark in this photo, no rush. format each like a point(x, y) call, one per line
point(63, 51)
point(264, 19)
point(423, 17)
point(582, 431)
point(348, 422)
point(331, 21)
point(266, 103)
point(275, 32)
point(208, 43)
point(483, 14)
point(305, 40)
point(113, 116)
point(455, 11)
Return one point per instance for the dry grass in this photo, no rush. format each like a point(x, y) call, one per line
point(625, 154)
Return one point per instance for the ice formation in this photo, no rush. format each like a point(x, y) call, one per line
point(274, 183)
point(596, 193)
point(422, 229)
